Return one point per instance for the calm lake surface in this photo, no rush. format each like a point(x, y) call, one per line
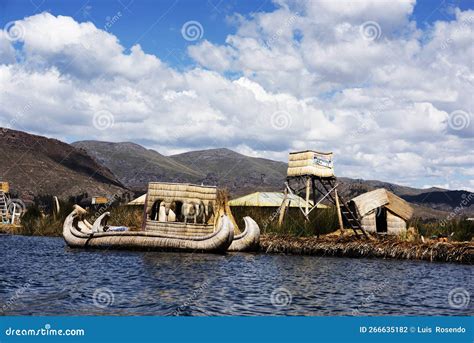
point(41, 276)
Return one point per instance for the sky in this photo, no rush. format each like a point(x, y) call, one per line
point(385, 85)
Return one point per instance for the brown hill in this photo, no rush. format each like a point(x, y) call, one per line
point(36, 165)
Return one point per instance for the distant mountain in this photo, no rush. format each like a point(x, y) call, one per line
point(36, 165)
point(240, 174)
point(135, 166)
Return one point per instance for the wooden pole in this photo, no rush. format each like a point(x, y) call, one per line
point(308, 180)
point(338, 208)
point(283, 205)
point(315, 201)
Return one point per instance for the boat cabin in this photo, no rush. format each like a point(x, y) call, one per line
point(172, 203)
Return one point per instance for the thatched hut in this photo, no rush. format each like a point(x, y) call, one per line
point(382, 212)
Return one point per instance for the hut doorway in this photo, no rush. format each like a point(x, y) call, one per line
point(381, 220)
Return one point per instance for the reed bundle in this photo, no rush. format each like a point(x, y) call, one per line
point(349, 246)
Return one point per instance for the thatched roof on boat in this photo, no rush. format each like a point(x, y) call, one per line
point(168, 192)
point(270, 199)
point(369, 201)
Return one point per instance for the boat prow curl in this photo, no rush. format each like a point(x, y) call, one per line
point(249, 239)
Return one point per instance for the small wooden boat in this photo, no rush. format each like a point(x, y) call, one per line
point(176, 217)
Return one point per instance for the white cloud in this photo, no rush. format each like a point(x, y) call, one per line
point(309, 79)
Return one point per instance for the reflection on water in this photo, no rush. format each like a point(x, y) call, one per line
point(40, 275)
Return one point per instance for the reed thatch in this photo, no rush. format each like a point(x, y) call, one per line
point(169, 192)
point(370, 201)
point(310, 163)
point(390, 247)
point(369, 204)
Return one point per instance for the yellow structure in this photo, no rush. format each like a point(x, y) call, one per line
point(271, 199)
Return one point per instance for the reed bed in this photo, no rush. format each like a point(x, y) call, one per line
point(350, 246)
point(320, 220)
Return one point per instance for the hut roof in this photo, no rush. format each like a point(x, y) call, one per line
point(269, 199)
point(369, 201)
point(140, 201)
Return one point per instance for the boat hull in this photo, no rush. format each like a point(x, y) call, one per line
point(76, 235)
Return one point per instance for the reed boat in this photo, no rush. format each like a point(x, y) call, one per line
point(176, 217)
point(78, 233)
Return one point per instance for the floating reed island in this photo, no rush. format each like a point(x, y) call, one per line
point(387, 247)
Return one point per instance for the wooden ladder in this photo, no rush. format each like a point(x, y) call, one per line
point(3, 208)
point(352, 217)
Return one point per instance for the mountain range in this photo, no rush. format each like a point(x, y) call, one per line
point(36, 165)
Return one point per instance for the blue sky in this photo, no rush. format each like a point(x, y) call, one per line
point(156, 25)
point(386, 85)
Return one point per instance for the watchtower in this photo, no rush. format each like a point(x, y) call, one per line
point(311, 176)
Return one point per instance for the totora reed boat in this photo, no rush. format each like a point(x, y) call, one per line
point(177, 217)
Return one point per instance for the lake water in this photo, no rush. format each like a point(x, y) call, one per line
point(42, 276)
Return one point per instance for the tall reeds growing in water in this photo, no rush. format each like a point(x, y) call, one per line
point(324, 220)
